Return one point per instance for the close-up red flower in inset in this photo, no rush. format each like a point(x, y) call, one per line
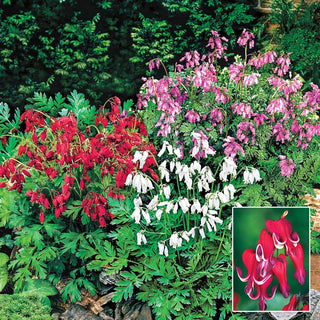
point(282, 234)
point(250, 262)
point(297, 260)
point(280, 270)
point(267, 265)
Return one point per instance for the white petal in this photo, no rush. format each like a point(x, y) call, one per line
point(166, 191)
point(163, 149)
point(161, 248)
point(172, 164)
point(202, 234)
point(185, 236)
point(166, 251)
point(137, 156)
point(146, 215)
point(128, 180)
point(136, 215)
point(159, 213)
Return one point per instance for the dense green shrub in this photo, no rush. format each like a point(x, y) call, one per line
point(21, 307)
point(50, 46)
point(101, 48)
point(298, 33)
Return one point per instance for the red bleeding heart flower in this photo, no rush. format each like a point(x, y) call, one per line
point(258, 277)
point(280, 270)
point(297, 260)
point(250, 262)
point(294, 304)
point(236, 300)
point(56, 148)
point(282, 234)
point(262, 265)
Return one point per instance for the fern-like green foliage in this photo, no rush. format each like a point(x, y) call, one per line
point(102, 48)
point(315, 242)
point(49, 48)
point(195, 283)
point(7, 123)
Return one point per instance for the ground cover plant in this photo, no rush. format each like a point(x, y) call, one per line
point(20, 307)
point(147, 192)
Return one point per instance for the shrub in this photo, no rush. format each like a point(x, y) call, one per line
point(99, 49)
point(51, 47)
point(21, 307)
point(298, 34)
point(176, 26)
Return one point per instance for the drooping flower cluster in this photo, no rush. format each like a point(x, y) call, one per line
point(244, 101)
point(56, 147)
point(187, 199)
point(264, 263)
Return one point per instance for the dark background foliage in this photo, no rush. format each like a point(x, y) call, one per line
point(298, 32)
point(102, 48)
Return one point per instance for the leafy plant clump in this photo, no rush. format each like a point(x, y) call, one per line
point(23, 306)
point(253, 112)
point(58, 176)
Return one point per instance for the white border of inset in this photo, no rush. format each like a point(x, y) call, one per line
point(268, 311)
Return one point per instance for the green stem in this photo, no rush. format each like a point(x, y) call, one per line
point(217, 255)
point(178, 185)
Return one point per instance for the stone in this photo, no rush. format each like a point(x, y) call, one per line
point(109, 310)
point(133, 312)
point(109, 279)
point(56, 316)
point(106, 289)
point(316, 312)
point(126, 306)
point(283, 315)
point(103, 316)
point(314, 299)
point(77, 312)
point(145, 313)
point(117, 312)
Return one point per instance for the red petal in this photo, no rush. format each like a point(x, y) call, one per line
point(280, 270)
point(297, 260)
point(267, 243)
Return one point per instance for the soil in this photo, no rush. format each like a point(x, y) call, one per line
point(315, 272)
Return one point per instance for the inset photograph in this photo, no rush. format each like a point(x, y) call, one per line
point(271, 259)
